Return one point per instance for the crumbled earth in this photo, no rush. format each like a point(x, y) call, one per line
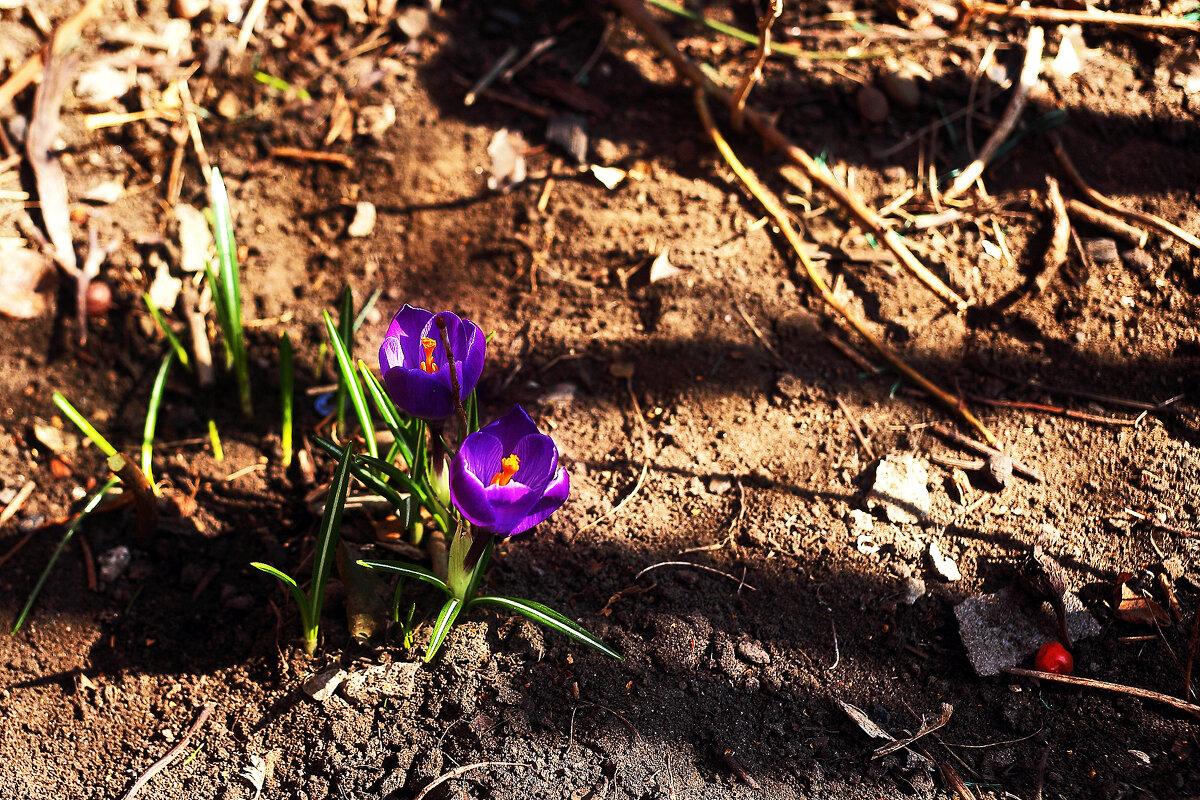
point(698, 415)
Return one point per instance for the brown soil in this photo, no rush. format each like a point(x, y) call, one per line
point(750, 466)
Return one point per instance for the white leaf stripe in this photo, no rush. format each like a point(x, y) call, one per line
point(444, 621)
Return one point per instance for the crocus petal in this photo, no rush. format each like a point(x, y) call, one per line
point(538, 458)
point(419, 394)
point(555, 495)
point(469, 495)
point(512, 427)
point(474, 348)
point(482, 454)
point(390, 354)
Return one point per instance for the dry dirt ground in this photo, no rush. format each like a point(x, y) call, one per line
point(705, 404)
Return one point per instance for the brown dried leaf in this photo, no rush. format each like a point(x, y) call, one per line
point(47, 170)
point(1131, 607)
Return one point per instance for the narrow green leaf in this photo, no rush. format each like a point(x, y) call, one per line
point(420, 459)
point(480, 567)
point(327, 534)
point(37, 588)
point(406, 506)
point(156, 393)
point(297, 593)
point(346, 370)
point(407, 570)
point(168, 331)
point(230, 284)
point(287, 393)
point(218, 301)
point(445, 621)
point(394, 473)
point(214, 439)
point(345, 330)
point(81, 422)
point(548, 617)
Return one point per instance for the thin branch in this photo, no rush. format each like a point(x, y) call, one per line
point(1120, 688)
point(162, 763)
point(1086, 17)
point(1060, 237)
point(774, 12)
point(463, 770)
point(636, 11)
point(713, 570)
point(1030, 71)
point(779, 214)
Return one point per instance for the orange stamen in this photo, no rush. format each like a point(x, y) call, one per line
point(427, 365)
point(508, 468)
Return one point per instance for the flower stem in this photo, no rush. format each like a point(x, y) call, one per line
point(479, 543)
point(455, 388)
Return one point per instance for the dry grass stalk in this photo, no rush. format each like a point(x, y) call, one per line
point(866, 217)
point(1107, 223)
point(1030, 71)
point(1060, 238)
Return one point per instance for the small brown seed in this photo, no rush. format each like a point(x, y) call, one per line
point(872, 104)
point(98, 300)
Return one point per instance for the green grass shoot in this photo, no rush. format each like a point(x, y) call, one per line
point(62, 543)
point(287, 393)
point(327, 538)
point(347, 375)
point(156, 393)
point(81, 422)
point(345, 331)
point(169, 332)
point(225, 284)
point(214, 439)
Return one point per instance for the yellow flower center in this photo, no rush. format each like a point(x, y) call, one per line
point(508, 468)
point(427, 365)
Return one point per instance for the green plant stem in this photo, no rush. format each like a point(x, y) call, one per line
point(70, 532)
point(156, 393)
point(168, 331)
point(81, 422)
point(214, 439)
point(287, 392)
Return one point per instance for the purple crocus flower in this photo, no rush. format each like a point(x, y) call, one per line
point(413, 361)
point(506, 478)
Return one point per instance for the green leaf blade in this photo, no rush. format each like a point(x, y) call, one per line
point(544, 615)
point(441, 628)
point(406, 570)
point(347, 373)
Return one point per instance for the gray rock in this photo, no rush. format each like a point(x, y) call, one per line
point(1102, 251)
point(753, 653)
point(320, 687)
point(900, 487)
point(1000, 629)
point(1138, 260)
point(914, 590)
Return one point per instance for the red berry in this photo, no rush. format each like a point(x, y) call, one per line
point(98, 300)
point(1053, 657)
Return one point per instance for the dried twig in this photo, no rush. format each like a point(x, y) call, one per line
point(979, 447)
point(1086, 17)
point(636, 11)
point(940, 722)
point(1120, 688)
point(463, 770)
point(1030, 71)
point(490, 76)
point(1069, 413)
point(758, 334)
point(866, 446)
point(713, 570)
point(779, 214)
point(17, 502)
point(1060, 237)
point(172, 754)
point(774, 12)
point(300, 154)
point(1098, 199)
point(1107, 222)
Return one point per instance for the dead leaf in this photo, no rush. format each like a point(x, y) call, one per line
point(863, 721)
point(47, 170)
point(26, 280)
point(1131, 607)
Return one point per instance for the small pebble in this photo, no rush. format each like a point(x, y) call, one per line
point(753, 652)
point(872, 104)
point(1102, 251)
point(901, 86)
point(99, 299)
point(1138, 260)
point(914, 590)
